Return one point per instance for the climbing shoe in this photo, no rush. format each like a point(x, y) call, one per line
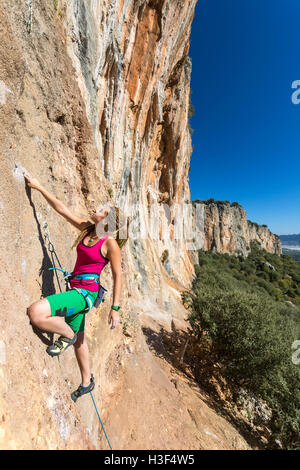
point(83, 390)
point(60, 345)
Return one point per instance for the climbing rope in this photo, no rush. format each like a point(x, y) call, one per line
point(100, 421)
point(66, 274)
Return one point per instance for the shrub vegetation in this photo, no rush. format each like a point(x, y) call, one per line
point(239, 305)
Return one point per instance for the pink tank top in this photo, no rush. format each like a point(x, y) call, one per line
point(89, 260)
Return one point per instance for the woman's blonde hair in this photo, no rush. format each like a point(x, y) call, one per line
point(117, 218)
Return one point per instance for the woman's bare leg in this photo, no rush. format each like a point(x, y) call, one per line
point(40, 315)
point(82, 356)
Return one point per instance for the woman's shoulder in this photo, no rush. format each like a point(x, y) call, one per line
point(111, 242)
point(108, 240)
point(108, 237)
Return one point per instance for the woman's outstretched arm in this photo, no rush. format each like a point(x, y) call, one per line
point(57, 205)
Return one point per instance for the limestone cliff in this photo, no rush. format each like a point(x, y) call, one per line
point(227, 230)
point(94, 99)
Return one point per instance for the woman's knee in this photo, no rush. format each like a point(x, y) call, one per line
point(39, 310)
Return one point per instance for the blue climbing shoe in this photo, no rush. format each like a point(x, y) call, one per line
point(60, 345)
point(83, 390)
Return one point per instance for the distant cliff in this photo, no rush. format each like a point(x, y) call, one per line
point(227, 230)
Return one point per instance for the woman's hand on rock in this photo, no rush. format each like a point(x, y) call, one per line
point(32, 182)
point(113, 318)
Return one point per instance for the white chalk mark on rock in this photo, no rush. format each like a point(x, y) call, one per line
point(4, 91)
point(18, 173)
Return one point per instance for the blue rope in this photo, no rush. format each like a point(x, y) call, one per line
point(100, 420)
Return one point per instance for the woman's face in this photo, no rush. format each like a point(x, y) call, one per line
point(99, 214)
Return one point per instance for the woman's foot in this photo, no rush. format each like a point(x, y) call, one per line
point(83, 390)
point(60, 345)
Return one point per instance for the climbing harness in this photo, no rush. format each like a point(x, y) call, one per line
point(68, 276)
point(100, 298)
point(88, 298)
point(29, 22)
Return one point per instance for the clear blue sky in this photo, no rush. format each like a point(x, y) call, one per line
point(245, 56)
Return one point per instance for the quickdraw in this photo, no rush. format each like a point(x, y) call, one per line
point(29, 22)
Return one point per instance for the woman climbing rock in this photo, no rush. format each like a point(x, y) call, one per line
point(64, 313)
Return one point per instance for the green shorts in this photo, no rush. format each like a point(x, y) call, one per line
point(69, 304)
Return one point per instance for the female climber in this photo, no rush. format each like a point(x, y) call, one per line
point(63, 313)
